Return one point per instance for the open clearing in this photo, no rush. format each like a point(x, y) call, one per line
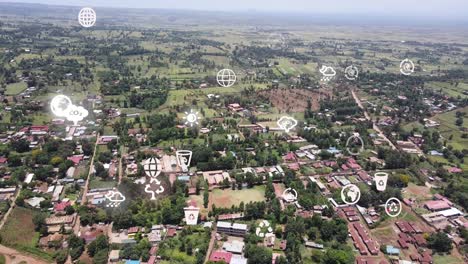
point(228, 197)
point(294, 100)
point(19, 228)
point(15, 88)
point(18, 232)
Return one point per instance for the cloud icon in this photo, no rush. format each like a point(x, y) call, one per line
point(327, 71)
point(76, 113)
point(115, 196)
point(287, 123)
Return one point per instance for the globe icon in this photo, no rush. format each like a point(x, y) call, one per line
point(60, 104)
point(226, 77)
point(350, 194)
point(87, 17)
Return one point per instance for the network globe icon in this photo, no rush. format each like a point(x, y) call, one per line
point(226, 77)
point(87, 17)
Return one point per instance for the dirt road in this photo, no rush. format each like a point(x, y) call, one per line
point(211, 245)
point(13, 205)
point(374, 125)
point(14, 257)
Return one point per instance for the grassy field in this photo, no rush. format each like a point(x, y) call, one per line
point(228, 197)
point(2, 259)
point(15, 88)
point(449, 89)
point(446, 129)
point(19, 232)
point(98, 183)
point(446, 259)
point(19, 227)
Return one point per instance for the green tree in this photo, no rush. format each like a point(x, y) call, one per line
point(206, 196)
point(61, 256)
point(439, 242)
point(258, 255)
point(334, 256)
point(101, 257)
point(97, 245)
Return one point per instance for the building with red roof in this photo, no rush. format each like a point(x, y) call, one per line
point(403, 244)
point(420, 240)
point(76, 159)
point(437, 205)
point(221, 256)
point(60, 207)
point(364, 176)
point(353, 164)
point(294, 166)
point(151, 260)
point(454, 170)
point(290, 157)
point(171, 232)
point(3, 160)
point(39, 130)
point(133, 230)
point(153, 250)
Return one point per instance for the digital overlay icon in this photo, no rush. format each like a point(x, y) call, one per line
point(153, 192)
point(287, 123)
point(191, 118)
point(351, 73)
point(191, 214)
point(393, 207)
point(152, 168)
point(406, 67)
point(87, 17)
point(380, 179)
point(184, 157)
point(290, 195)
point(62, 106)
point(354, 141)
point(114, 198)
point(226, 77)
point(328, 73)
point(263, 229)
point(350, 194)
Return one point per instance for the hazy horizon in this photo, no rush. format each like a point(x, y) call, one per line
point(435, 9)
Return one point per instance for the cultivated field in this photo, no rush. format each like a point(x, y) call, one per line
point(18, 232)
point(294, 100)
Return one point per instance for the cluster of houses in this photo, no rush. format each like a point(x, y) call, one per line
point(443, 213)
point(155, 235)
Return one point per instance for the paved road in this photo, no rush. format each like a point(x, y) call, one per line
point(374, 125)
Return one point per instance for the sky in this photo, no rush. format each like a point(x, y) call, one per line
point(444, 9)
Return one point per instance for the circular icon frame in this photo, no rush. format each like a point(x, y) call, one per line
point(351, 73)
point(361, 149)
point(400, 207)
point(343, 195)
point(407, 67)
